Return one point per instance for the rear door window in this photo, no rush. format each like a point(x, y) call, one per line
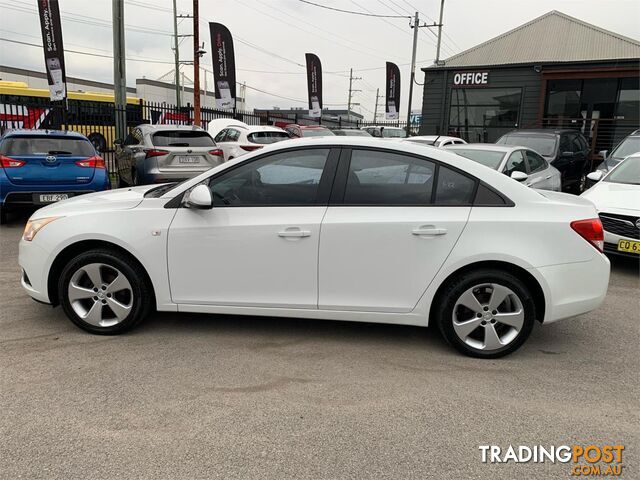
point(182, 138)
point(536, 162)
point(516, 163)
point(264, 138)
point(47, 145)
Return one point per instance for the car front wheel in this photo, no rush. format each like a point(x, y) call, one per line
point(486, 313)
point(104, 292)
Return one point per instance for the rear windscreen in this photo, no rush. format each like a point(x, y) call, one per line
point(182, 138)
point(545, 145)
point(47, 145)
point(264, 138)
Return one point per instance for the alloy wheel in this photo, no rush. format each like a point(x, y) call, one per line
point(488, 317)
point(100, 295)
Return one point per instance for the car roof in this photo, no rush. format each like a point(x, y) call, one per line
point(35, 132)
point(548, 131)
point(147, 128)
point(259, 128)
point(486, 147)
point(431, 138)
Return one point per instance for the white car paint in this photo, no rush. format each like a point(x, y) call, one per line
point(437, 141)
point(214, 126)
point(619, 199)
point(357, 263)
point(234, 140)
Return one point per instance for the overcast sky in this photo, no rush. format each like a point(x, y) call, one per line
point(288, 29)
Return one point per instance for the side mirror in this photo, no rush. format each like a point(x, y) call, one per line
point(603, 154)
point(596, 176)
point(199, 198)
point(118, 142)
point(519, 176)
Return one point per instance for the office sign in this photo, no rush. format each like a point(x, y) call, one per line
point(314, 85)
point(51, 30)
point(470, 79)
point(224, 66)
point(392, 105)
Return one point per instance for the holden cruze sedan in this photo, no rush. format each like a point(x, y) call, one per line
point(341, 228)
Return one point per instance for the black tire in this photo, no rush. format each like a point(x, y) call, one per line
point(3, 216)
point(454, 289)
point(141, 292)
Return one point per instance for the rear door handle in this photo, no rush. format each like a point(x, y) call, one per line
point(294, 232)
point(429, 231)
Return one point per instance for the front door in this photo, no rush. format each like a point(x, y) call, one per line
point(386, 235)
point(258, 245)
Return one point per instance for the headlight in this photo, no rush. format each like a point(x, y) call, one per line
point(34, 226)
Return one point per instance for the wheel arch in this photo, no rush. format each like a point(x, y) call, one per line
point(70, 251)
point(530, 281)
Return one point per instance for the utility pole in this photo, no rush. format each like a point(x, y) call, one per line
point(119, 69)
point(439, 32)
point(176, 52)
point(196, 66)
point(416, 26)
point(375, 110)
point(351, 90)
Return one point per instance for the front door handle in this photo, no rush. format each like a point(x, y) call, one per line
point(294, 232)
point(429, 231)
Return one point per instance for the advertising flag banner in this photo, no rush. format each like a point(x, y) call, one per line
point(224, 66)
point(392, 107)
point(51, 28)
point(314, 85)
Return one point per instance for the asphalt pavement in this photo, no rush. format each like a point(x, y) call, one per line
point(193, 396)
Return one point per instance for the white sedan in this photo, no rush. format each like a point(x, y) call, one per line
point(617, 198)
point(340, 228)
point(238, 140)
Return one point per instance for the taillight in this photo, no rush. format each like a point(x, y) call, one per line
point(216, 153)
point(250, 148)
point(92, 162)
point(153, 152)
point(8, 162)
point(591, 230)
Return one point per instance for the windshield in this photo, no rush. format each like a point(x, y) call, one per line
point(629, 146)
point(47, 145)
point(316, 132)
point(182, 138)
point(264, 138)
point(628, 172)
point(545, 145)
point(393, 133)
point(488, 158)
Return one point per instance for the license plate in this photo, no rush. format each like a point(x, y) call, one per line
point(53, 197)
point(189, 159)
point(629, 246)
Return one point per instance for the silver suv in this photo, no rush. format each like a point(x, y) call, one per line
point(165, 153)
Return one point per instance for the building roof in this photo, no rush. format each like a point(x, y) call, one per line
point(552, 37)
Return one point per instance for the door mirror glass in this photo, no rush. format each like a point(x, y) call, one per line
point(596, 176)
point(199, 198)
point(519, 176)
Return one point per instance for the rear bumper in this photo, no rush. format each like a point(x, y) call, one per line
point(574, 288)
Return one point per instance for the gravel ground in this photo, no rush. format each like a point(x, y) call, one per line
point(194, 396)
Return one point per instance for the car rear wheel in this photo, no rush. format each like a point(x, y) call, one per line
point(3, 216)
point(486, 313)
point(104, 292)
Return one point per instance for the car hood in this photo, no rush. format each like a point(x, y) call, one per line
point(120, 199)
point(616, 196)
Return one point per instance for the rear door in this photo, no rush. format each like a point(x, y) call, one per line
point(392, 222)
point(48, 160)
point(540, 175)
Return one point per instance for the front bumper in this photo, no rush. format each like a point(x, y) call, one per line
point(32, 259)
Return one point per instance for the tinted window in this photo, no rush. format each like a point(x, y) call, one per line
point(380, 178)
point(536, 162)
point(220, 136)
point(182, 138)
point(289, 178)
point(565, 144)
point(543, 144)
point(265, 138)
point(131, 140)
point(515, 163)
point(316, 132)
point(488, 158)
point(47, 145)
point(394, 133)
point(453, 188)
point(486, 196)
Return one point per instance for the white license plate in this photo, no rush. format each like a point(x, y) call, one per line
point(189, 159)
point(53, 197)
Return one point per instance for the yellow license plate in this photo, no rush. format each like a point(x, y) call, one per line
point(629, 246)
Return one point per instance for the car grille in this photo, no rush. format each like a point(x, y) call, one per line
point(623, 225)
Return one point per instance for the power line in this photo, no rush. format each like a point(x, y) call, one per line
point(353, 12)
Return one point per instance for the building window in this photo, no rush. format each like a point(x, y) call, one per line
point(484, 114)
point(563, 99)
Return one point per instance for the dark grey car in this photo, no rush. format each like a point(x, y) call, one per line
point(165, 153)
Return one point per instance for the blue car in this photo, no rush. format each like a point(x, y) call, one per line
point(43, 166)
